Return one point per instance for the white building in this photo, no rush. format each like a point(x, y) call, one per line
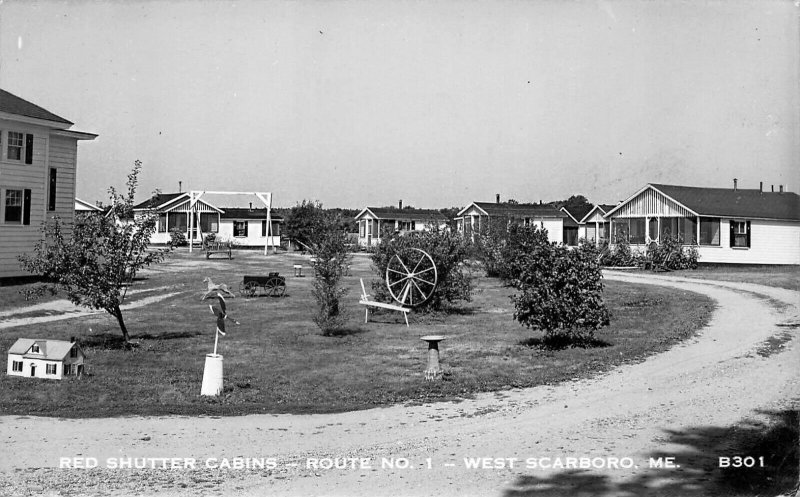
point(48, 359)
point(38, 167)
point(478, 216)
point(727, 225)
point(372, 221)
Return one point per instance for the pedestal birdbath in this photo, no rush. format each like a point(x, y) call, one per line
point(434, 371)
point(212, 373)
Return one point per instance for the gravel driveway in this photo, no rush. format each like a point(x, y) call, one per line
point(680, 404)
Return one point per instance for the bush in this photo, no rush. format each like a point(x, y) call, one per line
point(561, 291)
point(177, 238)
point(331, 261)
point(449, 253)
point(670, 253)
point(502, 244)
point(620, 255)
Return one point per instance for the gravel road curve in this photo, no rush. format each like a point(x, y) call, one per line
point(680, 403)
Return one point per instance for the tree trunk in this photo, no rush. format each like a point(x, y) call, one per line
point(118, 314)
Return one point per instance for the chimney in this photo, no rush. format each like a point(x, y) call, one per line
point(180, 186)
point(72, 339)
point(735, 181)
point(498, 198)
point(760, 187)
point(780, 188)
point(400, 204)
point(251, 205)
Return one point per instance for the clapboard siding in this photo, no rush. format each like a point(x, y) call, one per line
point(771, 242)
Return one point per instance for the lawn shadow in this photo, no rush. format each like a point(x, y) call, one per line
point(115, 341)
point(561, 343)
point(699, 474)
point(346, 331)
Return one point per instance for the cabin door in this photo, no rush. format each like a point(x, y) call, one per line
point(33, 370)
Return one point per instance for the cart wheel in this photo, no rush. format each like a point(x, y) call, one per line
point(275, 287)
point(411, 277)
point(250, 289)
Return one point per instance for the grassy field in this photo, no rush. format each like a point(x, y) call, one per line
point(278, 361)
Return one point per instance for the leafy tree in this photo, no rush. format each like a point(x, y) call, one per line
point(304, 222)
point(95, 263)
point(561, 290)
point(449, 252)
point(331, 262)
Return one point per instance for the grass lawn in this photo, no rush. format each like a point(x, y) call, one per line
point(775, 276)
point(278, 361)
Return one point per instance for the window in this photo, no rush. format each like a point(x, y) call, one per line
point(51, 369)
point(13, 205)
point(16, 366)
point(67, 369)
point(636, 230)
point(362, 228)
point(240, 228)
point(34, 349)
point(740, 234)
point(162, 222)
point(177, 220)
point(571, 235)
point(14, 145)
point(209, 222)
point(73, 352)
point(51, 192)
point(709, 231)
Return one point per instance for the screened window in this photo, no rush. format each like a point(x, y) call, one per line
point(637, 225)
point(740, 234)
point(362, 228)
point(14, 145)
point(51, 369)
point(13, 207)
point(590, 233)
point(177, 220)
point(240, 228)
point(209, 222)
point(709, 231)
point(571, 235)
point(162, 222)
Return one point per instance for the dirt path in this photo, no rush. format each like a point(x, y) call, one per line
point(677, 404)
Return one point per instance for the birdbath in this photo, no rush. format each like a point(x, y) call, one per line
point(434, 371)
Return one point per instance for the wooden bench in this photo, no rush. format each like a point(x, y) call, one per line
point(218, 248)
point(371, 303)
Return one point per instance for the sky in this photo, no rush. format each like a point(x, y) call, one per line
point(441, 103)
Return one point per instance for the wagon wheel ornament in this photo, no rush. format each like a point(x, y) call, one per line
point(411, 277)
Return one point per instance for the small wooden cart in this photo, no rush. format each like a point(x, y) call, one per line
point(273, 285)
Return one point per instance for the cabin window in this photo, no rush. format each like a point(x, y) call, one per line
point(240, 228)
point(35, 349)
point(73, 352)
point(162, 222)
point(740, 234)
point(209, 222)
point(14, 149)
point(51, 191)
point(570, 235)
point(16, 366)
point(178, 221)
point(67, 369)
point(362, 228)
point(51, 369)
point(709, 231)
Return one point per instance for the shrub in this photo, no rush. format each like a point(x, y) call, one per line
point(449, 253)
point(177, 238)
point(620, 255)
point(561, 291)
point(331, 260)
point(672, 254)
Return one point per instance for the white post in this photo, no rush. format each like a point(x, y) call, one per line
point(191, 225)
point(212, 376)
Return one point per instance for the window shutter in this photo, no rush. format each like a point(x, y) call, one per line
point(26, 207)
point(51, 193)
point(748, 234)
point(732, 226)
point(28, 149)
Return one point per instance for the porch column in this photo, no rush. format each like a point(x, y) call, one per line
point(697, 241)
point(189, 227)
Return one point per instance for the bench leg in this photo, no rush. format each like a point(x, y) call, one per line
point(405, 315)
point(366, 315)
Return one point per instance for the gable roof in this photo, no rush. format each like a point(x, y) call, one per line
point(578, 213)
point(603, 208)
point(403, 214)
point(160, 200)
point(13, 104)
point(52, 350)
point(727, 202)
point(82, 205)
point(516, 210)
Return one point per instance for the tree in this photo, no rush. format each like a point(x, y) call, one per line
point(561, 290)
point(331, 261)
point(95, 263)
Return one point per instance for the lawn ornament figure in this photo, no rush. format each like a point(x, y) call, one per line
point(212, 374)
point(216, 289)
point(411, 277)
